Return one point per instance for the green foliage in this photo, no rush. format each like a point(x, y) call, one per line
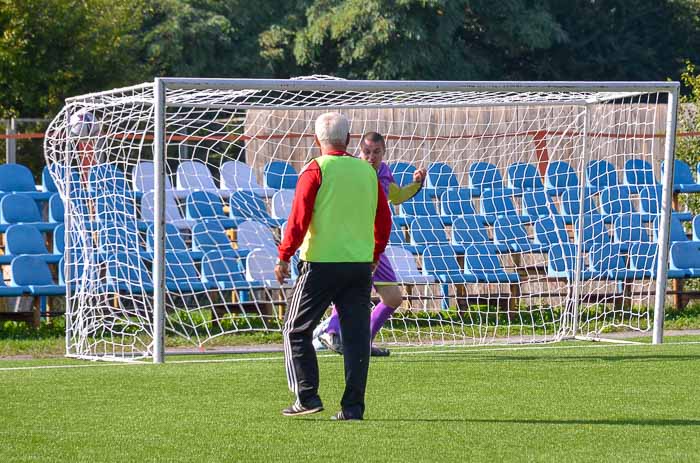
point(51, 49)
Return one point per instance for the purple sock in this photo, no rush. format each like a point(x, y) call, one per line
point(380, 315)
point(334, 323)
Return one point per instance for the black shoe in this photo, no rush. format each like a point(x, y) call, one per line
point(379, 352)
point(299, 410)
point(340, 416)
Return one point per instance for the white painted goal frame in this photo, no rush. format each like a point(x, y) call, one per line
point(166, 93)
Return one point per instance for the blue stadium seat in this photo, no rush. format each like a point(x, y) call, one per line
point(559, 176)
point(260, 269)
point(12, 291)
point(126, 273)
point(205, 205)
point(440, 178)
point(33, 273)
point(402, 172)
point(222, 270)
point(195, 176)
point(638, 174)
point(615, 200)
point(56, 209)
point(47, 182)
point(254, 235)
point(280, 174)
point(629, 228)
point(685, 257)
point(650, 203)
point(523, 176)
point(109, 178)
point(172, 210)
point(550, 231)
point(643, 257)
point(470, 230)
point(282, 202)
point(181, 275)
point(495, 204)
point(608, 261)
point(456, 203)
point(116, 238)
point(244, 205)
point(683, 181)
point(425, 231)
point(594, 232)
point(510, 232)
point(677, 234)
point(696, 228)
point(16, 178)
point(239, 176)
point(484, 176)
point(173, 242)
point(397, 238)
point(419, 205)
point(441, 262)
point(571, 206)
point(21, 208)
point(561, 263)
point(143, 180)
point(115, 208)
point(600, 174)
point(537, 203)
point(481, 262)
point(210, 235)
point(404, 264)
point(77, 268)
point(26, 239)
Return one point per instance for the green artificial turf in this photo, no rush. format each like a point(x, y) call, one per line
point(567, 402)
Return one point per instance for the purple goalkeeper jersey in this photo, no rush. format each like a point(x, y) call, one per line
point(385, 177)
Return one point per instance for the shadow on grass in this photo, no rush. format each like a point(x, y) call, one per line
point(602, 422)
point(457, 357)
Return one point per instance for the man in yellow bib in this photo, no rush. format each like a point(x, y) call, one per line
point(341, 220)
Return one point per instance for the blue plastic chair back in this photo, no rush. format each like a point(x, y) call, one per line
point(210, 236)
point(16, 178)
point(128, 271)
point(677, 232)
point(115, 208)
point(561, 259)
point(173, 239)
point(650, 200)
point(57, 211)
point(24, 239)
point(482, 258)
point(639, 172)
point(47, 182)
point(681, 173)
point(485, 176)
point(600, 174)
point(615, 200)
point(245, 205)
point(457, 202)
point(550, 231)
point(629, 228)
point(440, 259)
point(571, 203)
point(524, 176)
point(469, 230)
point(509, 231)
point(180, 271)
point(427, 230)
point(402, 172)
point(280, 174)
point(202, 205)
point(607, 257)
point(17, 208)
point(420, 204)
point(222, 266)
point(560, 175)
point(594, 232)
point(107, 177)
point(441, 175)
point(30, 270)
point(498, 203)
point(537, 203)
point(642, 256)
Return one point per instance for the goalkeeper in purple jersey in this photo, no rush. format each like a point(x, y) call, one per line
point(372, 149)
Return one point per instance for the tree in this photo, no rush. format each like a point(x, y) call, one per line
point(52, 49)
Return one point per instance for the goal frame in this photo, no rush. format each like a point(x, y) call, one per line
point(160, 105)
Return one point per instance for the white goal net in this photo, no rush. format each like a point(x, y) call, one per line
point(542, 216)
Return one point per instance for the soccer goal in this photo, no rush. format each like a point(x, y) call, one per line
point(545, 213)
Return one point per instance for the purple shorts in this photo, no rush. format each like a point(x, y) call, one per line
point(384, 272)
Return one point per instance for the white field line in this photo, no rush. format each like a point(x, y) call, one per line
point(453, 350)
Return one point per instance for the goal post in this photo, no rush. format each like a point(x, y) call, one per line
point(545, 215)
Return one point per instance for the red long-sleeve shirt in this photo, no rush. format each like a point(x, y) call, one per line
point(304, 198)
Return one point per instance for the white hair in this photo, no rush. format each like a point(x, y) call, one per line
point(332, 128)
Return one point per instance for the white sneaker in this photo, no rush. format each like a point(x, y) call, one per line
point(318, 345)
point(332, 342)
point(322, 327)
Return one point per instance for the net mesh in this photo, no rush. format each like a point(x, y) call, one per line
point(536, 221)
